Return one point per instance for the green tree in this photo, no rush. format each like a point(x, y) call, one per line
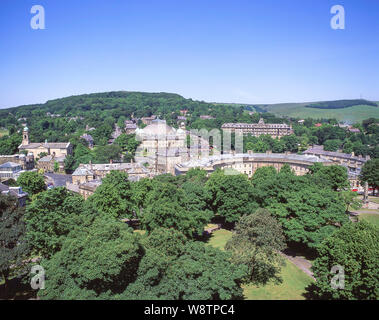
point(69, 164)
point(96, 262)
point(332, 145)
point(370, 173)
point(194, 271)
point(56, 166)
point(50, 217)
point(230, 195)
point(114, 196)
point(334, 176)
point(256, 243)
point(354, 247)
point(31, 182)
point(309, 215)
point(14, 248)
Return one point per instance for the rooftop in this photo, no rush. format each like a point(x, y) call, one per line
point(319, 150)
point(210, 161)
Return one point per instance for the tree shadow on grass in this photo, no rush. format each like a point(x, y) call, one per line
point(17, 289)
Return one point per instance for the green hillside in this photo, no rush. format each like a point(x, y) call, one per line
point(299, 110)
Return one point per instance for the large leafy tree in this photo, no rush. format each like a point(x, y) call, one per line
point(370, 173)
point(14, 248)
point(355, 248)
point(168, 206)
point(96, 262)
point(114, 196)
point(184, 271)
point(307, 211)
point(31, 182)
point(256, 243)
point(50, 217)
point(230, 195)
point(309, 215)
point(334, 176)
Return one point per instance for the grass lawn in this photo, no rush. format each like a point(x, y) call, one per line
point(294, 280)
point(219, 238)
point(293, 286)
point(374, 199)
point(370, 217)
point(3, 132)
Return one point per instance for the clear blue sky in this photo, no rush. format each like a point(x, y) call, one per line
point(248, 51)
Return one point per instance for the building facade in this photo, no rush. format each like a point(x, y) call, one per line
point(87, 177)
point(27, 162)
point(248, 163)
point(352, 163)
point(161, 147)
point(51, 164)
point(57, 149)
point(260, 128)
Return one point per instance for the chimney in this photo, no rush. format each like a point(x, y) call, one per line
point(353, 154)
point(110, 161)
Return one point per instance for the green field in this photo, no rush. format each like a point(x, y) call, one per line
point(374, 199)
point(3, 132)
point(294, 280)
point(298, 110)
point(370, 217)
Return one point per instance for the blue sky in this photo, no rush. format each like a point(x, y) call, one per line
point(219, 51)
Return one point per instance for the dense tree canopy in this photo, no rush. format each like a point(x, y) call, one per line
point(14, 248)
point(50, 217)
point(97, 262)
point(31, 182)
point(230, 195)
point(354, 247)
point(114, 196)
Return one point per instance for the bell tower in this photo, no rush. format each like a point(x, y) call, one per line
point(25, 136)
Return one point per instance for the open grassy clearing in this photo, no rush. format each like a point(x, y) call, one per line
point(294, 279)
point(370, 217)
point(350, 114)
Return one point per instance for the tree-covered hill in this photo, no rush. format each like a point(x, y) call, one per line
point(341, 104)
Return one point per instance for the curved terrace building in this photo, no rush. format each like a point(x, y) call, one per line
point(247, 163)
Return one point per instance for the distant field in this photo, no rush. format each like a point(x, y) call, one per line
point(3, 132)
point(294, 280)
point(298, 110)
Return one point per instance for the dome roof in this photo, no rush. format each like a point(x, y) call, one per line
point(158, 127)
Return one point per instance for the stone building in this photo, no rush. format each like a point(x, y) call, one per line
point(47, 163)
point(353, 163)
point(10, 170)
point(51, 148)
point(260, 128)
point(87, 177)
point(27, 162)
point(89, 139)
point(161, 146)
point(16, 192)
point(148, 120)
point(248, 163)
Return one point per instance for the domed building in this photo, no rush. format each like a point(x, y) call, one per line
point(162, 146)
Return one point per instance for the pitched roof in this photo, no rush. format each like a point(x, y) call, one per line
point(51, 145)
point(10, 165)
